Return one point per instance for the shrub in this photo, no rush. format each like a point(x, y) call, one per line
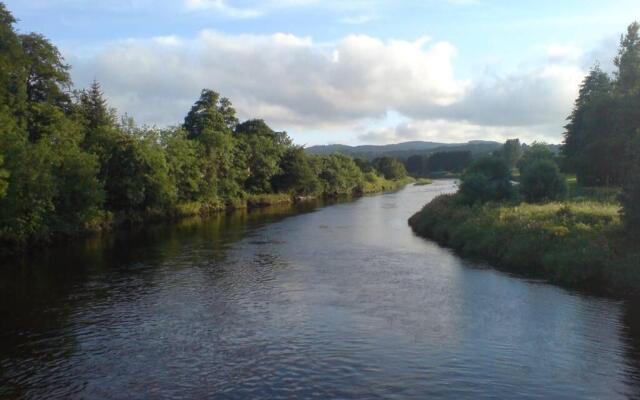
point(542, 180)
point(488, 179)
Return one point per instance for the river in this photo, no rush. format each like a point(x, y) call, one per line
point(313, 301)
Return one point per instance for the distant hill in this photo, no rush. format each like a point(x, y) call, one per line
point(405, 149)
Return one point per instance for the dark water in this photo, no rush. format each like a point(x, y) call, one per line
point(337, 302)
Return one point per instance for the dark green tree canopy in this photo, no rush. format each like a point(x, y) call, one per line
point(487, 179)
point(210, 112)
point(47, 77)
point(541, 180)
point(390, 167)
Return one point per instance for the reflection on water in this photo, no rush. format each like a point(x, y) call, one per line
point(306, 301)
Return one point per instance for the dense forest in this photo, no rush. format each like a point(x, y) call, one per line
point(572, 217)
point(69, 164)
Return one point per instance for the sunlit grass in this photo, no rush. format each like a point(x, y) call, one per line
point(576, 242)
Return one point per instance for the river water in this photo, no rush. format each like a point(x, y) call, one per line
point(316, 301)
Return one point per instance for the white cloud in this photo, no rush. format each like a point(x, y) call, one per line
point(441, 130)
point(297, 84)
point(287, 79)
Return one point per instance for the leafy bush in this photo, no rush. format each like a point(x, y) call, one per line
point(542, 180)
point(391, 168)
point(487, 179)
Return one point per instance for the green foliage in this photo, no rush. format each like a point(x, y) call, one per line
point(210, 114)
point(423, 182)
point(67, 164)
point(138, 176)
point(298, 174)
point(391, 168)
point(630, 196)
point(538, 151)
point(601, 136)
point(541, 180)
point(263, 148)
point(511, 152)
point(449, 161)
point(339, 174)
point(184, 163)
point(574, 243)
point(416, 165)
point(4, 177)
point(487, 179)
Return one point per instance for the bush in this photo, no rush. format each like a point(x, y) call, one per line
point(488, 179)
point(542, 180)
point(391, 168)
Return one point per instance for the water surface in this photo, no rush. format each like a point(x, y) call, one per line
point(340, 301)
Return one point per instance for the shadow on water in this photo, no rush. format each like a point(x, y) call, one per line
point(40, 290)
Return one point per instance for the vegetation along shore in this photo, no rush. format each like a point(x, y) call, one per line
point(69, 164)
point(581, 231)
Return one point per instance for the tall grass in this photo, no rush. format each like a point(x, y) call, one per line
point(577, 243)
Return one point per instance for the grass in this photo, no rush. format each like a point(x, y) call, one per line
point(374, 183)
point(423, 181)
point(578, 242)
point(269, 199)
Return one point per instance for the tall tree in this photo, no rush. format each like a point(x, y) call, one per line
point(263, 149)
point(511, 152)
point(210, 122)
point(590, 140)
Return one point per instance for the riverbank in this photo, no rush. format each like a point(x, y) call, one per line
point(573, 243)
point(107, 221)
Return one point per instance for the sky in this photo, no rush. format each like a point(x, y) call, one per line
point(351, 72)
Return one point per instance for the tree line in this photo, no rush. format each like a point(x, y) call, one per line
point(422, 165)
point(602, 137)
point(68, 163)
point(601, 145)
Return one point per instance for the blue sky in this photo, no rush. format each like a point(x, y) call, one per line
point(361, 71)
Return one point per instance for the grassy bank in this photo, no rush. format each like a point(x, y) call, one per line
point(423, 182)
point(374, 183)
point(576, 243)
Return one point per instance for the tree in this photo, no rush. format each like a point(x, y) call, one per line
point(590, 142)
point(487, 179)
point(4, 176)
point(416, 165)
point(339, 174)
point(449, 161)
point(389, 167)
point(12, 71)
point(94, 111)
point(628, 62)
point(297, 174)
point(138, 176)
point(184, 163)
point(511, 152)
point(263, 148)
point(210, 122)
point(47, 79)
point(630, 196)
point(541, 180)
point(536, 152)
point(210, 113)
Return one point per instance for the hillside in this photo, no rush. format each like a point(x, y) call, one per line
point(405, 149)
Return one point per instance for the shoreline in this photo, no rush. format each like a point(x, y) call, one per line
point(571, 244)
point(110, 223)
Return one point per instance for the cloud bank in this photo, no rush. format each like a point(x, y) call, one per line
point(297, 84)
